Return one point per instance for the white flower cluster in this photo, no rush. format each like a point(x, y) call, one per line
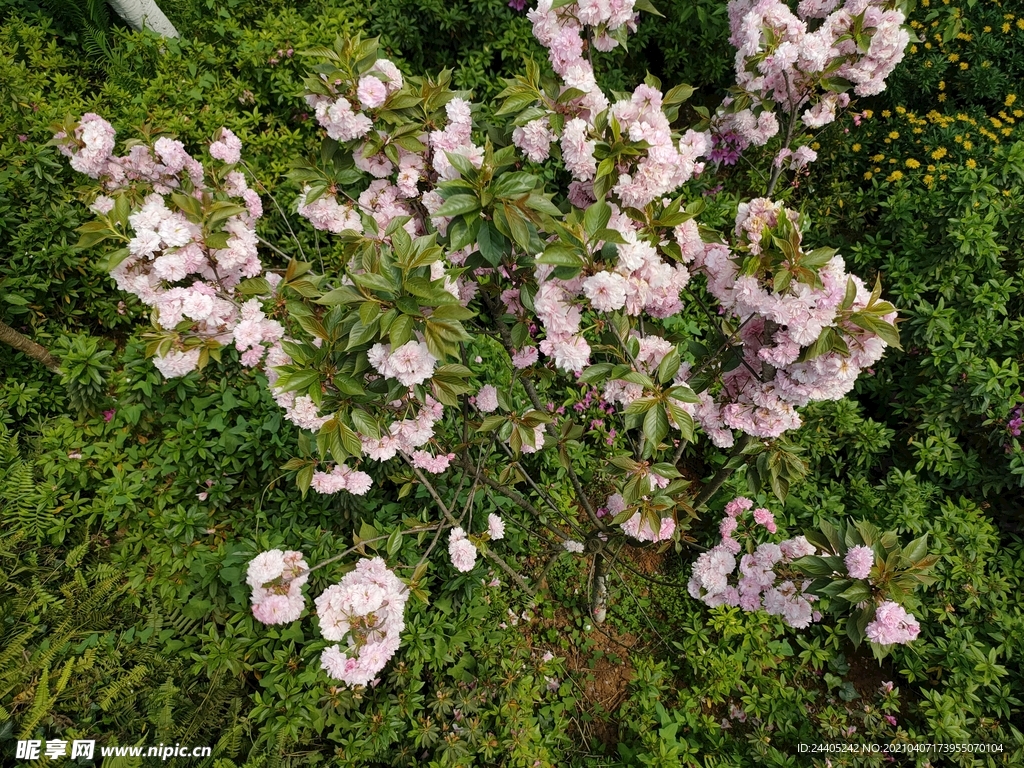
point(276, 579)
point(366, 609)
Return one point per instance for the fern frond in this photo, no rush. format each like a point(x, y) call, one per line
point(40, 705)
point(122, 688)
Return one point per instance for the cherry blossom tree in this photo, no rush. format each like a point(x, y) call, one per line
point(452, 241)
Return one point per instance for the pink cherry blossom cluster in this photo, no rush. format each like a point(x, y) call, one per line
point(487, 399)
point(666, 166)
point(636, 527)
point(410, 364)
point(641, 529)
point(461, 550)
point(90, 148)
point(341, 478)
point(783, 58)
point(169, 265)
point(859, 560)
point(495, 527)
point(640, 282)
point(668, 161)
point(405, 435)
point(276, 579)
point(652, 351)
point(561, 31)
point(760, 398)
point(430, 463)
point(366, 610)
point(892, 625)
point(758, 586)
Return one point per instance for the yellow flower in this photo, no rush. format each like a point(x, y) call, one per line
point(987, 29)
point(913, 49)
point(815, 146)
point(868, 175)
point(1020, 23)
point(1018, 113)
point(892, 161)
point(877, 158)
point(855, 147)
point(1010, 100)
point(912, 163)
point(942, 177)
point(968, 145)
point(942, 85)
point(867, 113)
point(942, 97)
point(1006, 131)
point(958, 139)
point(929, 179)
point(931, 168)
point(894, 176)
point(996, 122)
point(886, 113)
point(1006, 28)
point(894, 134)
point(971, 163)
point(939, 153)
point(928, 46)
point(963, 65)
point(901, 110)
point(954, 57)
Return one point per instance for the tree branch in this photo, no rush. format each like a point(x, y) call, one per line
point(722, 475)
point(531, 392)
point(24, 344)
point(451, 519)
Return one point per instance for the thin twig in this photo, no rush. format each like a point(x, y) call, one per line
point(451, 519)
point(353, 548)
point(280, 210)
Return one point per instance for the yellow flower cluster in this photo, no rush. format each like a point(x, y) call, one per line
point(916, 139)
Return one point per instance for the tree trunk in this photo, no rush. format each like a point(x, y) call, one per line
point(24, 344)
point(144, 13)
point(599, 593)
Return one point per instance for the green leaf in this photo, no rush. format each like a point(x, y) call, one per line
point(365, 424)
point(885, 331)
point(394, 543)
point(400, 332)
point(462, 164)
point(857, 593)
point(678, 94)
point(304, 478)
point(560, 255)
point(457, 205)
point(656, 425)
point(669, 366)
point(514, 185)
point(597, 217)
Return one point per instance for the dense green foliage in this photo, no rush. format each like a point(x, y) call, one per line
point(123, 613)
